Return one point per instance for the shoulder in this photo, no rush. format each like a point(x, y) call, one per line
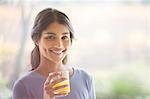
point(25, 77)
point(28, 85)
point(21, 80)
point(28, 79)
point(83, 74)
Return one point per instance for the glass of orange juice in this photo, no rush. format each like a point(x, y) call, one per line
point(65, 90)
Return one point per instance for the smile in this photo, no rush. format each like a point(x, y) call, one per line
point(57, 52)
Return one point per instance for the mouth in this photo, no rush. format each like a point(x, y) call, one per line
point(58, 53)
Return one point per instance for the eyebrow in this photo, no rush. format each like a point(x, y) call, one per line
point(65, 33)
point(49, 33)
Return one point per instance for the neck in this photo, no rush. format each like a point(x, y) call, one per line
point(46, 66)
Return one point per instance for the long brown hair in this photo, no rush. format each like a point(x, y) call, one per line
point(42, 20)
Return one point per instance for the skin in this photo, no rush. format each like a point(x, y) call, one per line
point(54, 45)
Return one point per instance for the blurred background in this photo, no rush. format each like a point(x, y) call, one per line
point(112, 43)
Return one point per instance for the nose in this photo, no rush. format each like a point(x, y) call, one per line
point(58, 44)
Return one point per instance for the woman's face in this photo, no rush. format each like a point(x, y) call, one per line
point(54, 42)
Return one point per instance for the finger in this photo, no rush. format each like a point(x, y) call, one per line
point(54, 88)
point(57, 81)
point(54, 75)
point(60, 87)
point(51, 85)
point(60, 94)
point(50, 93)
point(50, 77)
point(53, 91)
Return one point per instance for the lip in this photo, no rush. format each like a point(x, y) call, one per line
point(58, 53)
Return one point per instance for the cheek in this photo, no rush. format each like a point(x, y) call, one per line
point(67, 43)
point(44, 45)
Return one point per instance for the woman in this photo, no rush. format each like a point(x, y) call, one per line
point(52, 34)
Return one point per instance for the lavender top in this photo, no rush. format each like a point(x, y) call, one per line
point(30, 86)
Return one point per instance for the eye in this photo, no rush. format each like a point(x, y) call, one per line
point(50, 37)
point(65, 38)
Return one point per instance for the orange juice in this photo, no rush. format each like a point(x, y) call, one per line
point(65, 90)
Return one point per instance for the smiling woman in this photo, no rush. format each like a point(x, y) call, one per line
point(53, 34)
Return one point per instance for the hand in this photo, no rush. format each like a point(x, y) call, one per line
point(49, 90)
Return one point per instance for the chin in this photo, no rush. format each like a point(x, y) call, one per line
point(56, 60)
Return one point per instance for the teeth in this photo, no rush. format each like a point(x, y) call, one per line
point(57, 52)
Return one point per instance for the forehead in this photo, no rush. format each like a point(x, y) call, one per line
point(56, 28)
